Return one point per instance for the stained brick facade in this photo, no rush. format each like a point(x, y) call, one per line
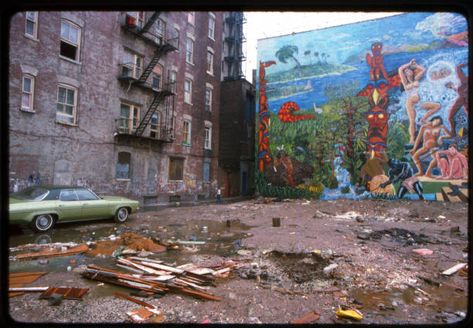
point(86, 151)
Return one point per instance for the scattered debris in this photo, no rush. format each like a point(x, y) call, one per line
point(191, 242)
point(330, 268)
point(349, 313)
point(146, 313)
point(69, 293)
point(20, 279)
point(307, 318)
point(423, 251)
point(63, 251)
point(454, 269)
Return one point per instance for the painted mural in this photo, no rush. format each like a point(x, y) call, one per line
point(376, 109)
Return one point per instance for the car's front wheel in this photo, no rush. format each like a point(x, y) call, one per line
point(43, 222)
point(122, 215)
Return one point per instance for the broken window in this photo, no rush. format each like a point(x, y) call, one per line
point(66, 104)
point(129, 118)
point(123, 165)
point(27, 95)
point(212, 26)
point(70, 40)
point(189, 51)
point(186, 133)
point(31, 24)
point(188, 91)
point(176, 168)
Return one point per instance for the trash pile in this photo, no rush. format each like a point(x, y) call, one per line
point(156, 277)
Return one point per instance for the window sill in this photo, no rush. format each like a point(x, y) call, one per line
point(32, 38)
point(188, 103)
point(186, 144)
point(67, 124)
point(70, 60)
point(210, 73)
point(190, 63)
point(122, 179)
point(27, 110)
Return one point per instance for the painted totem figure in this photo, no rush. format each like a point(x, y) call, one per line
point(264, 155)
point(376, 63)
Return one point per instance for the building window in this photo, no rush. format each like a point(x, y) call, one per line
point(135, 18)
point(154, 126)
point(70, 40)
point(189, 51)
point(208, 99)
point(123, 165)
point(132, 64)
point(160, 29)
point(129, 118)
point(156, 81)
point(206, 173)
point(208, 137)
point(27, 95)
point(210, 62)
point(66, 104)
point(211, 26)
point(31, 24)
point(186, 132)
point(176, 37)
point(176, 168)
point(172, 77)
point(191, 17)
point(188, 91)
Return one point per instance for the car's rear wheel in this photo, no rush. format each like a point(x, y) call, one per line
point(43, 222)
point(122, 215)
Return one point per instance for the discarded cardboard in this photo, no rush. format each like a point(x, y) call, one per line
point(307, 318)
point(454, 269)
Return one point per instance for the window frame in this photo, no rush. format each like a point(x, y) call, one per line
point(191, 18)
point(35, 26)
point(30, 93)
point(68, 200)
point(210, 63)
point(157, 129)
point(177, 177)
point(212, 18)
point(188, 99)
point(208, 137)
point(129, 166)
point(78, 45)
point(187, 132)
point(208, 100)
point(74, 106)
point(130, 120)
point(136, 69)
point(189, 58)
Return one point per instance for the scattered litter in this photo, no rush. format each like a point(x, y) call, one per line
point(330, 268)
point(191, 242)
point(307, 318)
point(349, 314)
point(423, 251)
point(53, 252)
point(20, 279)
point(454, 269)
point(441, 217)
point(146, 313)
point(244, 252)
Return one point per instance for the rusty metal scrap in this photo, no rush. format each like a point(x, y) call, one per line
point(53, 252)
point(70, 293)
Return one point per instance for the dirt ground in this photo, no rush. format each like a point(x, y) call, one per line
point(370, 242)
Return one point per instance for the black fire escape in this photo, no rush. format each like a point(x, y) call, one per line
point(163, 92)
point(234, 41)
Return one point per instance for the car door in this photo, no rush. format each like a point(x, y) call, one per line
point(92, 206)
point(69, 207)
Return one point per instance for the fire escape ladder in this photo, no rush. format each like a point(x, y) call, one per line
point(149, 68)
point(158, 98)
point(150, 22)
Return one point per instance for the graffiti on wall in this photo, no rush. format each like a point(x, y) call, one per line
point(373, 109)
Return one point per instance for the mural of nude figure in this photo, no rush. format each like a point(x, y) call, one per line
point(410, 74)
point(452, 164)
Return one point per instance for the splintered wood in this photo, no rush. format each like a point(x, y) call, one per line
point(63, 251)
point(156, 277)
point(20, 279)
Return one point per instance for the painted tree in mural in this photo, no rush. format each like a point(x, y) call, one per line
point(287, 52)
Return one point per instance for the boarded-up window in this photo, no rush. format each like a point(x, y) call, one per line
point(176, 168)
point(123, 165)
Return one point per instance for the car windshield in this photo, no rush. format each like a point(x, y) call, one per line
point(31, 193)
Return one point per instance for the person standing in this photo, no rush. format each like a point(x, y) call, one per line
point(219, 195)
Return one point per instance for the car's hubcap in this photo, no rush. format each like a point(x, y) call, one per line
point(122, 214)
point(43, 222)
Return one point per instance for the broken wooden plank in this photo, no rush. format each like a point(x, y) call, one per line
point(132, 299)
point(35, 246)
point(307, 318)
point(195, 293)
point(144, 314)
point(71, 293)
point(50, 253)
point(454, 269)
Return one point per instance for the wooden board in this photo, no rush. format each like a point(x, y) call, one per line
point(450, 198)
point(439, 197)
point(20, 279)
point(49, 253)
point(463, 194)
point(454, 181)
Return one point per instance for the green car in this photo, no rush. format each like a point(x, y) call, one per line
point(43, 206)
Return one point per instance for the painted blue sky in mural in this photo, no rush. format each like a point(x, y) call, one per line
point(336, 56)
point(343, 43)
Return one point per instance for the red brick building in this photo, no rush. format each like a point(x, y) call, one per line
point(124, 102)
